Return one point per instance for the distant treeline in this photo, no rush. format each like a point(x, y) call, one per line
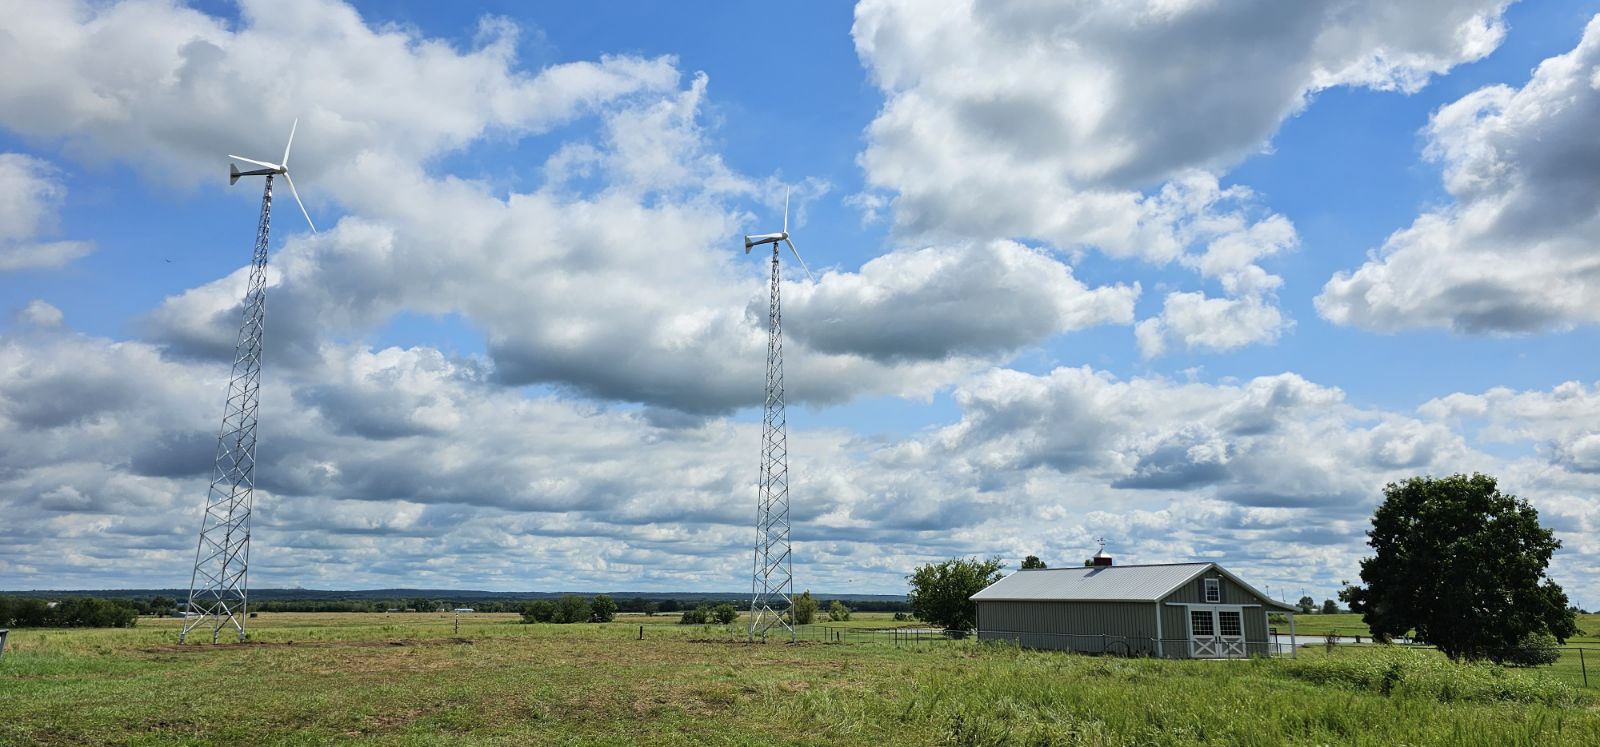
point(152, 602)
point(72, 612)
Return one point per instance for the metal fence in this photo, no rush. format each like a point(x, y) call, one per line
point(1215, 647)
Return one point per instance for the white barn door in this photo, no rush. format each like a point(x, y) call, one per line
point(1216, 632)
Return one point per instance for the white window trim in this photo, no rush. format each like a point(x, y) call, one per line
point(1212, 584)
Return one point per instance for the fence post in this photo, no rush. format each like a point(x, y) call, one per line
point(1581, 664)
point(641, 632)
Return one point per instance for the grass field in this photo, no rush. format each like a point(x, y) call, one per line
point(412, 679)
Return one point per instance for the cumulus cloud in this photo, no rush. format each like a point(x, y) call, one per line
point(372, 460)
point(40, 313)
point(1215, 324)
point(616, 278)
point(164, 86)
point(30, 199)
point(981, 299)
point(1104, 125)
point(1515, 250)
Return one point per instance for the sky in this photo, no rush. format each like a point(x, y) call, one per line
point(1199, 278)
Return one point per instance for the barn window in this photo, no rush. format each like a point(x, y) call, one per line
point(1200, 622)
point(1213, 590)
point(1229, 623)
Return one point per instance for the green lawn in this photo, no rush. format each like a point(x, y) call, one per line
point(412, 679)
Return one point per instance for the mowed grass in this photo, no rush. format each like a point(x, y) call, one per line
point(412, 679)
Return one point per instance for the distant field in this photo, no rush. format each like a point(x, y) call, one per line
point(410, 678)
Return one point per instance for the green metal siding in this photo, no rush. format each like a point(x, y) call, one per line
point(1195, 591)
point(1119, 627)
point(1091, 627)
point(1174, 621)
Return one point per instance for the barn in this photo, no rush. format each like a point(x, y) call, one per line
point(1178, 610)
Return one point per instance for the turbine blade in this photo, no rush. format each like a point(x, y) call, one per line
point(786, 212)
point(272, 166)
point(297, 201)
point(797, 258)
point(290, 143)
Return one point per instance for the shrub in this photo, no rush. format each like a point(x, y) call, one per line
point(696, 616)
point(1535, 650)
point(837, 612)
point(724, 614)
point(805, 608)
point(539, 611)
point(571, 608)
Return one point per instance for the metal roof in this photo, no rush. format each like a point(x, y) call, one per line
point(1115, 583)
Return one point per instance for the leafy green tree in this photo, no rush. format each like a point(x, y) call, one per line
point(941, 593)
point(1461, 564)
point(571, 608)
point(805, 608)
point(1307, 605)
point(837, 612)
point(1330, 607)
point(602, 609)
point(161, 606)
point(539, 611)
point(724, 614)
point(650, 609)
point(1031, 562)
point(696, 616)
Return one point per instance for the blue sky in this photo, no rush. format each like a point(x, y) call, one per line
point(1196, 278)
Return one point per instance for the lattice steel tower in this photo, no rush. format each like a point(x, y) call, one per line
point(772, 582)
point(219, 583)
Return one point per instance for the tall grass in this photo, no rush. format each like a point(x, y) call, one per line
point(415, 680)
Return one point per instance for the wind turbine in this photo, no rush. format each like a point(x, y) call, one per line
point(219, 583)
point(772, 581)
point(269, 170)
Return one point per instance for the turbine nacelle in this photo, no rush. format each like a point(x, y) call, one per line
point(751, 242)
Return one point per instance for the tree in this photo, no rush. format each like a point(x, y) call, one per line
point(1461, 564)
point(696, 616)
point(602, 609)
point(805, 608)
point(837, 612)
point(1033, 561)
point(941, 592)
point(539, 611)
point(571, 608)
point(724, 614)
point(1307, 605)
point(1330, 607)
point(650, 609)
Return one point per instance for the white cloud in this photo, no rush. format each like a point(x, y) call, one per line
point(30, 199)
point(1515, 251)
point(1105, 125)
point(618, 278)
point(1209, 324)
point(983, 299)
point(373, 460)
point(39, 313)
point(173, 89)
